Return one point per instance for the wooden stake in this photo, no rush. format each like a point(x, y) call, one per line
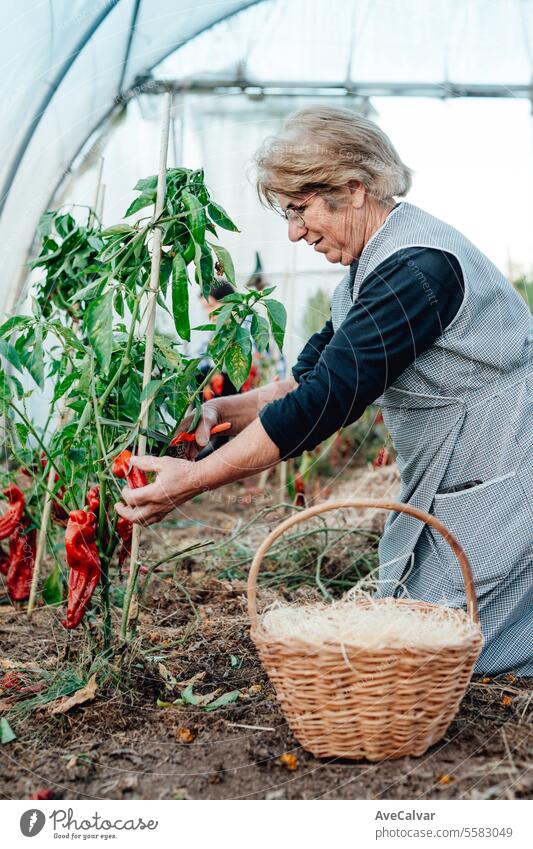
point(149, 337)
point(63, 417)
point(98, 200)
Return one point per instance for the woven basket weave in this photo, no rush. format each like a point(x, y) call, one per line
point(378, 704)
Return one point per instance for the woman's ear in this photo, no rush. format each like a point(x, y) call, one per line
point(357, 194)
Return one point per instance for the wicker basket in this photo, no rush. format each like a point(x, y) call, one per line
point(377, 704)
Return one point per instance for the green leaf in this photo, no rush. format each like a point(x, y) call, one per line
point(188, 696)
point(64, 385)
point(7, 735)
point(52, 588)
point(151, 389)
point(10, 353)
point(225, 261)
point(260, 332)
point(180, 298)
point(81, 294)
point(146, 184)
point(235, 661)
point(146, 199)
point(277, 315)
point(172, 356)
point(15, 322)
point(84, 418)
point(203, 269)
point(226, 699)
point(238, 360)
point(117, 230)
point(22, 433)
point(33, 359)
point(99, 326)
point(69, 337)
point(205, 327)
point(196, 217)
point(221, 217)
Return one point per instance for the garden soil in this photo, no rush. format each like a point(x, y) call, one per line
point(131, 741)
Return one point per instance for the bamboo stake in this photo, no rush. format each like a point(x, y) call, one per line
point(149, 349)
point(98, 201)
point(63, 417)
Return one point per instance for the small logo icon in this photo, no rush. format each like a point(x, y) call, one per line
point(32, 822)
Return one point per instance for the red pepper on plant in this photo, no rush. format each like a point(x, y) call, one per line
point(122, 468)
point(4, 561)
point(84, 562)
point(22, 549)
point(383, 458)
point(10, 519)
point(299, 487)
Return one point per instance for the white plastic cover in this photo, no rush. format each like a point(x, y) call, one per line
point(66, 62)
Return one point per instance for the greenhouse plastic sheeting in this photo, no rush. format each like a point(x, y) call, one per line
point(63, 69)
point(66, 63)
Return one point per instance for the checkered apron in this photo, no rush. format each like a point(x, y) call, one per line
point(463, 411)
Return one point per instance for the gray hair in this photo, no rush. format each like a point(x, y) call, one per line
point(324, 148)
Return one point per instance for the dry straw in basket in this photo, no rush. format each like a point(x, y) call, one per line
point(369, 624)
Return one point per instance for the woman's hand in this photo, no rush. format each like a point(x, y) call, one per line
point(176, 481)
point(209, 417)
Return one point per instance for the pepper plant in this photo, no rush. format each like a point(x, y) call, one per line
point(84, 338)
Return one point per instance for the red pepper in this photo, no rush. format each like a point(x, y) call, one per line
point(10, 519)
point(299, 487)
point(4, 561)
point(383, 458)
point(22, 548)
point(122, 468)
point(125, 532)
point(217, 383)
point(84, 562)
point(93, 499)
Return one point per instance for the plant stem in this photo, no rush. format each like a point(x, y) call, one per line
point(103, 529)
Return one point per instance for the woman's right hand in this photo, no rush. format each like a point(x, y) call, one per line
point(209, 417)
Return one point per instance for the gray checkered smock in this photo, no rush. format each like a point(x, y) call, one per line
point(462, 411)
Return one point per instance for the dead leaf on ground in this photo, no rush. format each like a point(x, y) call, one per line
point(195, 678)
point(289, 761)
point(85, 694)
point(186, 735)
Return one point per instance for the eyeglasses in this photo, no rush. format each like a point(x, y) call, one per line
point(295, 213)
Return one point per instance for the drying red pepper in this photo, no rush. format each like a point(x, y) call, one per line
point(125, 532)
point(93, 499)
point(122, 468)
point(10, 519)
point(22, 548)
point(4, 561)
point(84, 562)
point(383, 458)
point(299, 487)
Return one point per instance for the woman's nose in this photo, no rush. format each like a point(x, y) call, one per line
point(296, 231)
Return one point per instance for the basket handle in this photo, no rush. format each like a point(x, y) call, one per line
point(397, 507)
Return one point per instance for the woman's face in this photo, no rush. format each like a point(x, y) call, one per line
point(337, 233)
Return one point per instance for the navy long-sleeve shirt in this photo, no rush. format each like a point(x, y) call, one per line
point(401, 309)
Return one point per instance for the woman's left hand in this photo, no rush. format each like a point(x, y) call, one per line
point(176, 482)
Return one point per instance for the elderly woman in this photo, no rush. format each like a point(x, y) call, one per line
point(422, 323)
